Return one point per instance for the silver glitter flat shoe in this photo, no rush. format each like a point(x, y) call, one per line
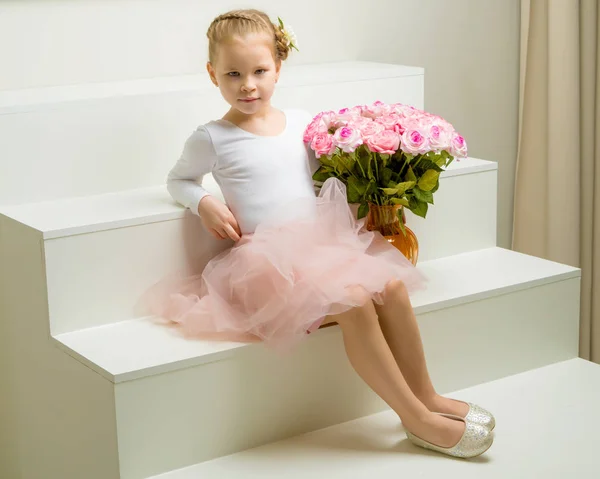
point(475, 440)
point(478, 415)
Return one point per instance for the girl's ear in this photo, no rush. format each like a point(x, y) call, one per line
point(212, 74)
point(277, 71)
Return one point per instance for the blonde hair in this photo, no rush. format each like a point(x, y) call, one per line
point(240, 23)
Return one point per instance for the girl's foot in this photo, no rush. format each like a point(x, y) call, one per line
point(438, 430)
point(447, 406)
point(471, 412)
point(474, 441)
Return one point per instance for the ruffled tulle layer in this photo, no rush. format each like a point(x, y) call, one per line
point(282, 281)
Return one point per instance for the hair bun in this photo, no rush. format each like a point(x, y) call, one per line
point(282, 46)
point(285, 35)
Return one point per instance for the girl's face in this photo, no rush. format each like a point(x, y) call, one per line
point(246, 72)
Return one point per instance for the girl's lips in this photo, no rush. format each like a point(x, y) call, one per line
point(248, 100)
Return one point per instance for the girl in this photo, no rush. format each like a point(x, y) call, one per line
point(299, 260)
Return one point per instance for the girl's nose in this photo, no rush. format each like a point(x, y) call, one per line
point(248, 86)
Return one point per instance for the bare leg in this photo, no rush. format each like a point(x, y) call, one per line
point(370, 356)
point(401, 331)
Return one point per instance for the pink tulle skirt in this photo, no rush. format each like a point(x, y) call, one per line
point(280, 283)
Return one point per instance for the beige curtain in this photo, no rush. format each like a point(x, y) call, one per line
point(557, 189)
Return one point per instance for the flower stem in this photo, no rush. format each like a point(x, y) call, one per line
point(359, 165)
point(402, 167)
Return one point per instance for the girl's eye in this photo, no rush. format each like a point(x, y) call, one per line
point(233, 74)
point(260, 71)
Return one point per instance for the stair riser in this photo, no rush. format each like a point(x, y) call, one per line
point(58, 414)
point(189, 416)
point(85, 271)
point(132, 141)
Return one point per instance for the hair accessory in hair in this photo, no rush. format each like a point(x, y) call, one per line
point(289, 35)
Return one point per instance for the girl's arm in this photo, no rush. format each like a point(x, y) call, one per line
point(313, 166)
point(198, 158)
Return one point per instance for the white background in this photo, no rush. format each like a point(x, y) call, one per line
point(469, 49)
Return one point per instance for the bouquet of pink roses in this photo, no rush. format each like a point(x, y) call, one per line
point(384, 154)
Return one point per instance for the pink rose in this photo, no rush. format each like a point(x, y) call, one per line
point(416, 122)
point(412, 116)
point(438, 120)
point(329, 119)
point(358, 110)
point(405, 110)
point(376, 110)
point(346, 115)
point(386, 142)
point(322, 144)
point(439, 137)
point(414, 142)
point(314, 127)
point(359, 122)
point(399, 129)
point(370, 128)
point(390, 121)
point(347, 138)
point(458, 146)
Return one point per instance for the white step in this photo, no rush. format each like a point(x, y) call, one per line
point(159, 422)
point(128, 134)
point(137, 348)
point(99, 247)
point(486, 315)
point(547, 427)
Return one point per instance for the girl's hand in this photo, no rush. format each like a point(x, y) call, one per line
point(218, 219)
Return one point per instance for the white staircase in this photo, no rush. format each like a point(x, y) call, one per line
point(95, 391)
point(544, 430)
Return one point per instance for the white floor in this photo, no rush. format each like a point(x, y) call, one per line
point(548, 423)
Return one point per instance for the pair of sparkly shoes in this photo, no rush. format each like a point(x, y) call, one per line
point(476, 439)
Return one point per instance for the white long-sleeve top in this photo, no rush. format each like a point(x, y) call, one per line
point(256, 174)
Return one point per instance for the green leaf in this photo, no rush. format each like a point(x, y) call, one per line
point(366, 167)
point(381, 159)
point(357, 187)
point(426, 196)
point(344, 162)
point(371, 188)
point(386, 177)
point(435, 188)
point(425, 164)
point(363, 210)
point(440, 161)
point(390, 191)
point(410, 175)
point(400, 201)
point(327, 160)
point(428, 180)
point(419, 208)
point(404, 187)
point(322, 174)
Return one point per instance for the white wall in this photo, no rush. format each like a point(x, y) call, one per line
point(470, 52)
point(469, 49)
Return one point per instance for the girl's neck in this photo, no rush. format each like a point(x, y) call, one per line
point(237, 117)
point(269, 123)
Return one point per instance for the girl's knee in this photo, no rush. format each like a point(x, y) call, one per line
point(359, 296)
point(397, 289)
point(361, 315)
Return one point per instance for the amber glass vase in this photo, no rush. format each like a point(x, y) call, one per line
point(386, 220)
